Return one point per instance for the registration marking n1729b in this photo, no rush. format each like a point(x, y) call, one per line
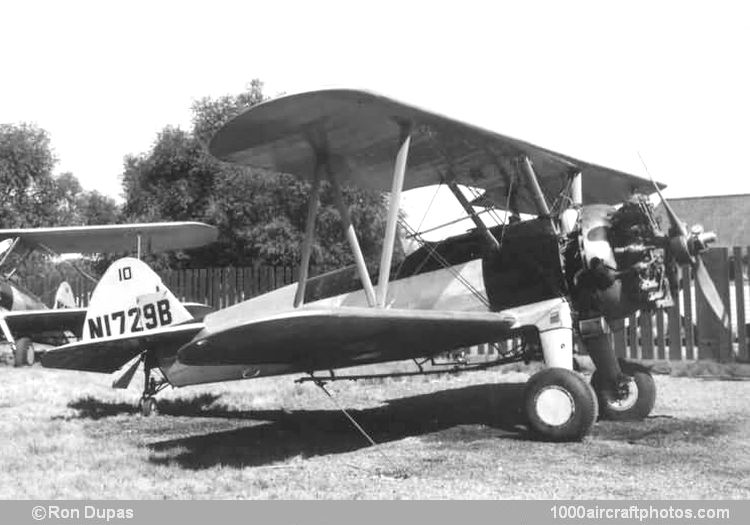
point(136, 319)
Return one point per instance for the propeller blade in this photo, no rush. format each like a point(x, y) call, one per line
point(124, 380)
point(674, 221)
point(707, 287)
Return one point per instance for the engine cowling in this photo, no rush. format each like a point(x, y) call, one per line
point(623, 262)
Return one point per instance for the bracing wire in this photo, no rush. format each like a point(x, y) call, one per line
point(432, 249)
point(401, 473)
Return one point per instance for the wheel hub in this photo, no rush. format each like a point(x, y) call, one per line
point(554, 406)
point(626, 396)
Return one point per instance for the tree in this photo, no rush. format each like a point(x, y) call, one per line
point(31, 196)
point(26, 183)
point(67, 191)
point(260, 215)
point(95, 208)
point(173, 181)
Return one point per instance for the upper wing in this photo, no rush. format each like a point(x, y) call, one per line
point(359, 132)
point(155, 237)
point(111, 353)
point(28, 322)
point(328, 338)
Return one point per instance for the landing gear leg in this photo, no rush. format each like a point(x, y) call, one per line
point(148, 404)
point(23, 352)
point(626, 391)
point(558, 402)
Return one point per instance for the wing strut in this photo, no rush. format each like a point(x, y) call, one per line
point(84, 274)
point(576, 189)
point(536, 190)
point(389, 241)
point(312, 211)
point(474, 216)
point(9, 250)
point(351, 236)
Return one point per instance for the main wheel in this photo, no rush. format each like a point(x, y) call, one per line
point(634, 401)
point(148, 407)
point(559, 405)
point(23, 353)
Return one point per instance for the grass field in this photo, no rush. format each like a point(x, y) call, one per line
point(68, 435)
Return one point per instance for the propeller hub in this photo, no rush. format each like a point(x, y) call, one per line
point(699, 241)
point(685, 247)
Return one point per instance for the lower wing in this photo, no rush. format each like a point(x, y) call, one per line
point(317, 339)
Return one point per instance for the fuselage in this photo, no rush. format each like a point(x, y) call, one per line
point(14, 297)
point(456, 274)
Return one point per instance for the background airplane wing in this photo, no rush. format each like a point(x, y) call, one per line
point(30, 322)
point(360, 133)
point(328, 338)
point(111, 353)
point(155, 237)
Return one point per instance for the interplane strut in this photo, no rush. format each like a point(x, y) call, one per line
point(386, 256)
point(389, 239)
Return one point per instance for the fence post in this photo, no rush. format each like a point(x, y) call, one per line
point(739, 293)
point(248, 282)
point(646, 349)
point(660, 352)
point(687, 296)
point(714, 341)
point(634, 349)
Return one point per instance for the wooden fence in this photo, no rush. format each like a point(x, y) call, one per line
point(217, 287)
point(688, 331)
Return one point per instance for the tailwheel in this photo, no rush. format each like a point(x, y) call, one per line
point(149, 406)
point(634, 397)
point(559, 405)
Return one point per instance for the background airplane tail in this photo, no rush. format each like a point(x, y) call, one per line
point(130, 298)
point(64, 297)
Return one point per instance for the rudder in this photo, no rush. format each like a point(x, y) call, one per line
point(131, 298)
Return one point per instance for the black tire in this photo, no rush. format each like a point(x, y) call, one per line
point(639, 402)
point(23, 352)
point(149, 407)
point(559, 405)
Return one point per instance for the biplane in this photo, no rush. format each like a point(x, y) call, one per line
point(27, 323)
point(590, 254)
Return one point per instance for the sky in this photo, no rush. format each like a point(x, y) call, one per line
point(600, 81)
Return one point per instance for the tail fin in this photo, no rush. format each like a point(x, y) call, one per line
point(64, 297)
point(131, 298)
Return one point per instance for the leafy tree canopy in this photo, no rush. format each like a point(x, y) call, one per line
point(261, 216)
point(32, 196)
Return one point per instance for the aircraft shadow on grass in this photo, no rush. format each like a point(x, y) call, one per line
point(281, 435)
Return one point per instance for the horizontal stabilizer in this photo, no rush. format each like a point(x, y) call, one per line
point(25, 322)
point(108, 354)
